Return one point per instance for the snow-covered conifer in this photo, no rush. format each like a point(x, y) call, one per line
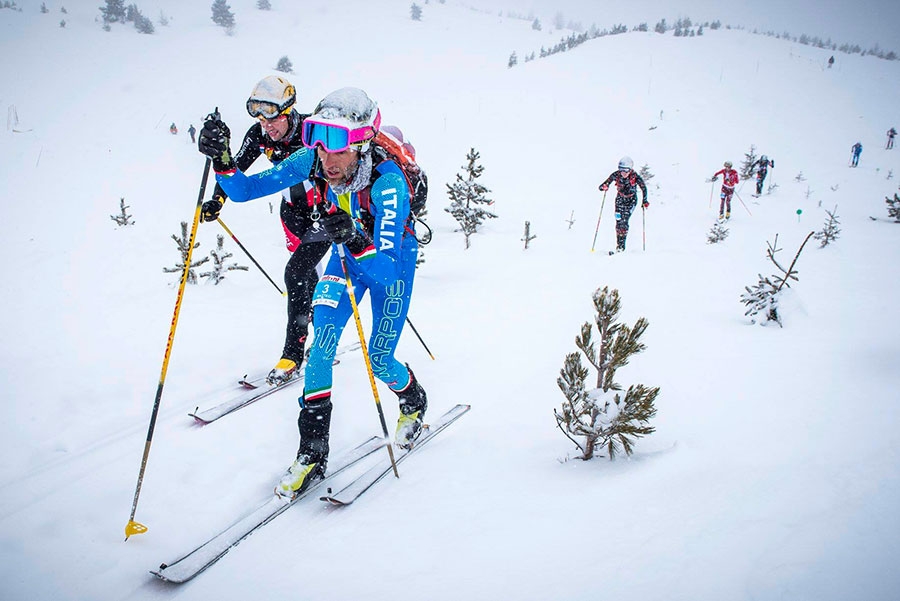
point(831, 231)
point(467, 197)
point(285, 65)
point(762, 298)
point(717, 233)
point(123, 218)
point(114, 11)
point(184, 246)
point(893, 207)
point(222, 15)
point(415, 12)
point(263, 5)
point(219, 255)
point(602, 417)
point(747, 166)
point(528, 237)
point(142, 23)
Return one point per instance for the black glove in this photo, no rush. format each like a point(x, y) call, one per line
point(210, 209)
point(215, 140)
point(340, 229)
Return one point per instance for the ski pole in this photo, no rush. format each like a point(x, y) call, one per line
point(365, 350)
point(420, 338)
point(742, 202)
point(247, 252)
point(603, 202)
point(133, 527)
point(644, 225)
point(712, 189)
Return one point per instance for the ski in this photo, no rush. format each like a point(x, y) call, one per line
point(189, 565)
point(369, 478)
point(254, 389)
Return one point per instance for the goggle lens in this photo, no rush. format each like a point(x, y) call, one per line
point(333, 138)
point(262, 108)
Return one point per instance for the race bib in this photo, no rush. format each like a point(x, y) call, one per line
point(329, 291)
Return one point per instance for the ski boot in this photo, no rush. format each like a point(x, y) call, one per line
point(283, 371)
point(312, 457)
point(302, 473)
point(413, 403)
point(727, 215)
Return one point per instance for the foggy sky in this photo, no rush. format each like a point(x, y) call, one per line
point(863, 22)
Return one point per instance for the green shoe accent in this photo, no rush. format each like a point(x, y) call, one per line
point(298, 478)
point(408, 429)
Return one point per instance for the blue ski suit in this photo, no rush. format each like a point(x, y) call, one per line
point(386, 268)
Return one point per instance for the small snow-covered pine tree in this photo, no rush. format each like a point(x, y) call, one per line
point(717, 233)
point(528, 237)
point(219, 255)
point(831, 231)
point(513, 60)
point(123, 218)
point(184, 246)
point(222, 15)
point(415, 12)
point(645, 174)
point(762, 298)
point(467, 197)
point(285, 65)
point(893, 207)
point(45, 10)
point(142, 23)
point(114, 11)
point(750, 159)
point(602, 417)
point(263, 5)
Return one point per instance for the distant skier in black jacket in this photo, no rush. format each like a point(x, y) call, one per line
point(627, 182)
point(761, 165)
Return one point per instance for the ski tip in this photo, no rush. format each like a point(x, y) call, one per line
point(332, 501)
point(197, 419)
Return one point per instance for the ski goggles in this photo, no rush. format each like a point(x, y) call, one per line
point(263, 109)
point(333, 137)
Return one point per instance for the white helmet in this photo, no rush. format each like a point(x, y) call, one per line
point(272, 96)
point(626, 163)
point(351, 108)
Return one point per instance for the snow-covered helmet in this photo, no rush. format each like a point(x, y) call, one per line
point(626, 163)
point(728, 164)
point(271, 97)
point(344, 118)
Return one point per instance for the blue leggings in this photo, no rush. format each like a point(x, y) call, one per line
point(390, 304)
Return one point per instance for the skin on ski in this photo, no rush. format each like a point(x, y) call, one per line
point(370, 478)
point(205, 555)
point(248, 397)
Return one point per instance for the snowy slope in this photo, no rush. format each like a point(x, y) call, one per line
point(773, 471)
